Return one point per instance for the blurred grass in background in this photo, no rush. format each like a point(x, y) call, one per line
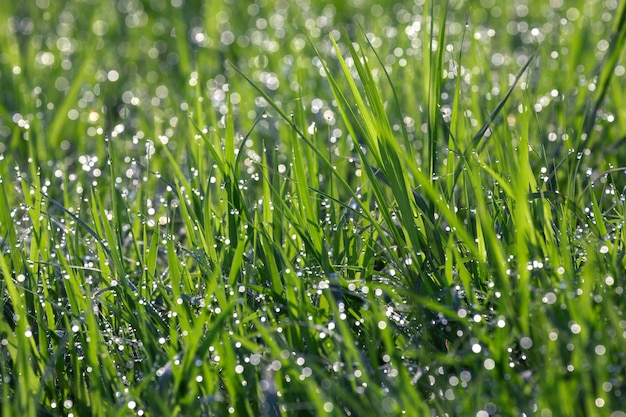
point(145, 65)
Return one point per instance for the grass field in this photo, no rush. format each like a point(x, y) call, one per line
point(313, 208)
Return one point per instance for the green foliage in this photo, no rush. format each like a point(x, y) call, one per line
point(312, 208)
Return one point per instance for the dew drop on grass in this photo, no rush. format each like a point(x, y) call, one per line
point(489, 364)
point(526, 342)
point(549, 298)
point(575, 328)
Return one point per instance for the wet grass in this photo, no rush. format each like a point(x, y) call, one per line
point(325, 208)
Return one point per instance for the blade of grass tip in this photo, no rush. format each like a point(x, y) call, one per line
point(356, 129)
point(475, 143)
point(405, 134)
point(365, 132)
point(375, 110)
point(370, 126)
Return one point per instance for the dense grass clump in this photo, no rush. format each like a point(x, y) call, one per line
point(312, 208)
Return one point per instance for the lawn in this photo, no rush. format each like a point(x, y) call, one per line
point(313, 208)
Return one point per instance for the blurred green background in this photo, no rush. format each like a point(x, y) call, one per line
point(73, 72)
